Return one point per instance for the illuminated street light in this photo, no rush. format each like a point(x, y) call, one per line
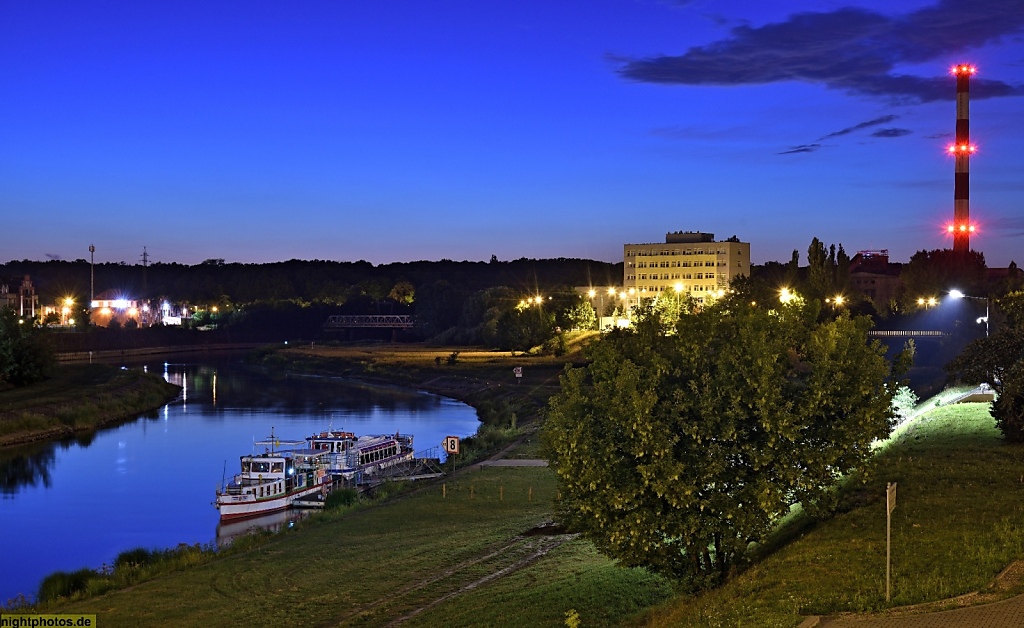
point(956, 294)
point(929, 302)
point(785, 295)
point(836, 301)
point(591, 293)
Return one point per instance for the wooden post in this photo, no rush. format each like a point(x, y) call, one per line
point(501, 492)
point(444, 491)
point(529, 495)
point(890, 504)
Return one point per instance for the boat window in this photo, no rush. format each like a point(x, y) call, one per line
point(278, 467)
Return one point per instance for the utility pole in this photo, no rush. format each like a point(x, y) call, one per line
point(145, 263)
point(92, 274)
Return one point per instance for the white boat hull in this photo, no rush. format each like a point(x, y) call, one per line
point(241, 506)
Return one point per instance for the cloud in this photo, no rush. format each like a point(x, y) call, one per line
point(850, 49)
point(1004, 227)
point(53, 257)
point(802, 148)
point(858, 127)
point(891, 132)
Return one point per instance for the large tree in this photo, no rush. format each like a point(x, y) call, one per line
point(676, 450)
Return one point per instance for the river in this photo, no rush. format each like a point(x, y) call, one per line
point(150, 482)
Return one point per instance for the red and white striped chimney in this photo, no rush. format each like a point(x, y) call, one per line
point(961, 150)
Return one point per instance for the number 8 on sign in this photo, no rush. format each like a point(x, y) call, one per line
point(451, 444)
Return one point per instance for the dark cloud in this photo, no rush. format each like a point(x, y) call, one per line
point(851, 49)
point(858, 127)
point(802, 148)
point(1004, 227)
point(891, 132)
point(53, 257)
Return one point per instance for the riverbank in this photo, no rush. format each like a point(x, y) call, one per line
point(509, 392)
point(473, 549)
point(78, 399)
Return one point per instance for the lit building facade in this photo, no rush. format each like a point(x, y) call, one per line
point(687, 262)
point(110, 305)
point(22, 299)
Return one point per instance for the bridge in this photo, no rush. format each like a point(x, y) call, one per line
point(378, 321)
point(907, 333)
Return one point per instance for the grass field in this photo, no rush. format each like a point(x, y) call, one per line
point(959, 520)
point(405, 559)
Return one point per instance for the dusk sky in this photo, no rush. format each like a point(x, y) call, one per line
point(398, 130)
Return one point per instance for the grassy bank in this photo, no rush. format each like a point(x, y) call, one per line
point(465, 552)
point(959, 520)
point(436, 557)
point(78, 398)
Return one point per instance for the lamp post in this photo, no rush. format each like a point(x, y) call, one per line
point(956, 294)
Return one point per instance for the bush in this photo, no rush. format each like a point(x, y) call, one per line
point(341, 498)
point(138, 556)
point(65, 584)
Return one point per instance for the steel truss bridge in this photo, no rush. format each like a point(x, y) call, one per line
point(379, 321)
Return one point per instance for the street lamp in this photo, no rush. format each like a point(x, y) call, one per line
point(956, 294)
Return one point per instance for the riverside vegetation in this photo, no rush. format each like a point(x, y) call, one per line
point(76, 399)
point(461, 552)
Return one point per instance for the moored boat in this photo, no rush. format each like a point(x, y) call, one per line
point(274, 480)
point(351, 457)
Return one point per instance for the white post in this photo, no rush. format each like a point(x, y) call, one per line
point(890, 503)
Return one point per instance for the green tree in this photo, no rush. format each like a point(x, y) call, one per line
point(522, 329)
point(402, 292)
point(933, 273)
point(580, 315)
point(675, 451)
point(820, 272)
point(25, 353)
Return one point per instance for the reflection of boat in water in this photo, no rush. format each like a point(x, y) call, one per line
point(274, 480)
point(228, 531)
point(352, 457)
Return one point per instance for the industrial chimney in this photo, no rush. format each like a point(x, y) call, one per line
point(961, 150)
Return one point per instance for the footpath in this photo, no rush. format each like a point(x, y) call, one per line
point(996, 615)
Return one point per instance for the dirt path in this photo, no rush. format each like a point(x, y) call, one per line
point(494, 563)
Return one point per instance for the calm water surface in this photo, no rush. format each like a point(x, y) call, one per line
point(151, 482)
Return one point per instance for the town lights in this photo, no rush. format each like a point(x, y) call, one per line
point(836, 301)
point(957, 294)
point(929, 302)
point(785, 295)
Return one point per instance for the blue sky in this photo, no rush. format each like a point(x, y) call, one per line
point(397, 131)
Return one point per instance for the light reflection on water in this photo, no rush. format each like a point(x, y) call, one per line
point(151, 482)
